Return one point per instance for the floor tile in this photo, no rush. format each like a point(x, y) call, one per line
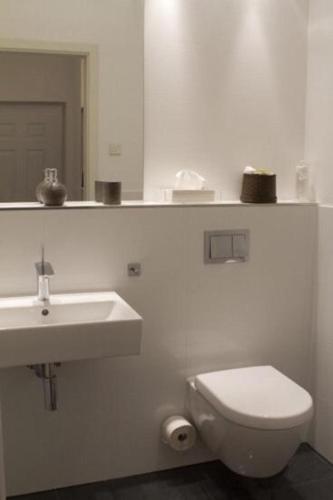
point(316, 490)
point(47, 495)
point(307, 477)
point(307, 466)
point(97, 491)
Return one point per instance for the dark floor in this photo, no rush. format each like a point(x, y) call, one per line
point(308, 476)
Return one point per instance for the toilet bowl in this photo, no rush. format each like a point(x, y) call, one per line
point(253, 419)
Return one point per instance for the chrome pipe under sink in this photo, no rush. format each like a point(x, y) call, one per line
point(47, 372)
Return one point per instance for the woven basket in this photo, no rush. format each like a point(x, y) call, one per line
point(258, 188)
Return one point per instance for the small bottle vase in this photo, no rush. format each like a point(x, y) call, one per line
point(52, 192)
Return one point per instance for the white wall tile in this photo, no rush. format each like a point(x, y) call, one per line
point(323, 429)
point(322, 437)
point(319, 153)
point(196, 318)
point(319, 96)
point(20, 247)
point(230, 91)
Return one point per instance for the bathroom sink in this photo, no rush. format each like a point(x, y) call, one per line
point(71, 327)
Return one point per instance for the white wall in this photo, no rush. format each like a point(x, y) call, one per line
point(217, 98)
point(224, 88)
point(323, 345)
point(196, 318)
point(319, 129)
point(319, 135)
point(116, 27)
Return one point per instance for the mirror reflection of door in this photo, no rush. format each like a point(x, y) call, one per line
point(41, 120)
point(31, 139)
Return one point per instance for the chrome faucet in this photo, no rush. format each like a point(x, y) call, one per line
point(44, 272)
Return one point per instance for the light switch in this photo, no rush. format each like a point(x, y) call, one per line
point(239, 244)
point(221, 247)
point(115, 149)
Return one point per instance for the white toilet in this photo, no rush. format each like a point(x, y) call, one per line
point(253, 418)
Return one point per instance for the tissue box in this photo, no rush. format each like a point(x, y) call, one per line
point(258, 188)
point(191, 195)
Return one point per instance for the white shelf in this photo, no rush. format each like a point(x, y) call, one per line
point(146, 204)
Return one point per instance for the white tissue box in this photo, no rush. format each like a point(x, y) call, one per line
point(191, 195)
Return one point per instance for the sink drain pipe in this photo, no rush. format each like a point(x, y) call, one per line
point(47, 373)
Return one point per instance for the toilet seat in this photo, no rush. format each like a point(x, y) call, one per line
point(258, 397)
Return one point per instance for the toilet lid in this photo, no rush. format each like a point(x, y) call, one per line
point(258, 397)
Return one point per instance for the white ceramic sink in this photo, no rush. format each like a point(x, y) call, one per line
point(76, 326)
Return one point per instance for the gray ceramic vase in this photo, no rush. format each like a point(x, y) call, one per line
point(51, 192)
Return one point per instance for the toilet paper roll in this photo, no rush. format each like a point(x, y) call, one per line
point(178, 433)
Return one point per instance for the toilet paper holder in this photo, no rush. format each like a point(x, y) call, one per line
point(178, 433)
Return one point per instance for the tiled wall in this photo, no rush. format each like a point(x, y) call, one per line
point(323, 346)
point(196, 318)
point(319, 153)
point(225, 85)
point(319, 125)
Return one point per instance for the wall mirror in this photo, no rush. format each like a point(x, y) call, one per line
point(76, 106)
point(43, 123)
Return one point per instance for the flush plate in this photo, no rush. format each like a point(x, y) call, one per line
point(226, 246)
